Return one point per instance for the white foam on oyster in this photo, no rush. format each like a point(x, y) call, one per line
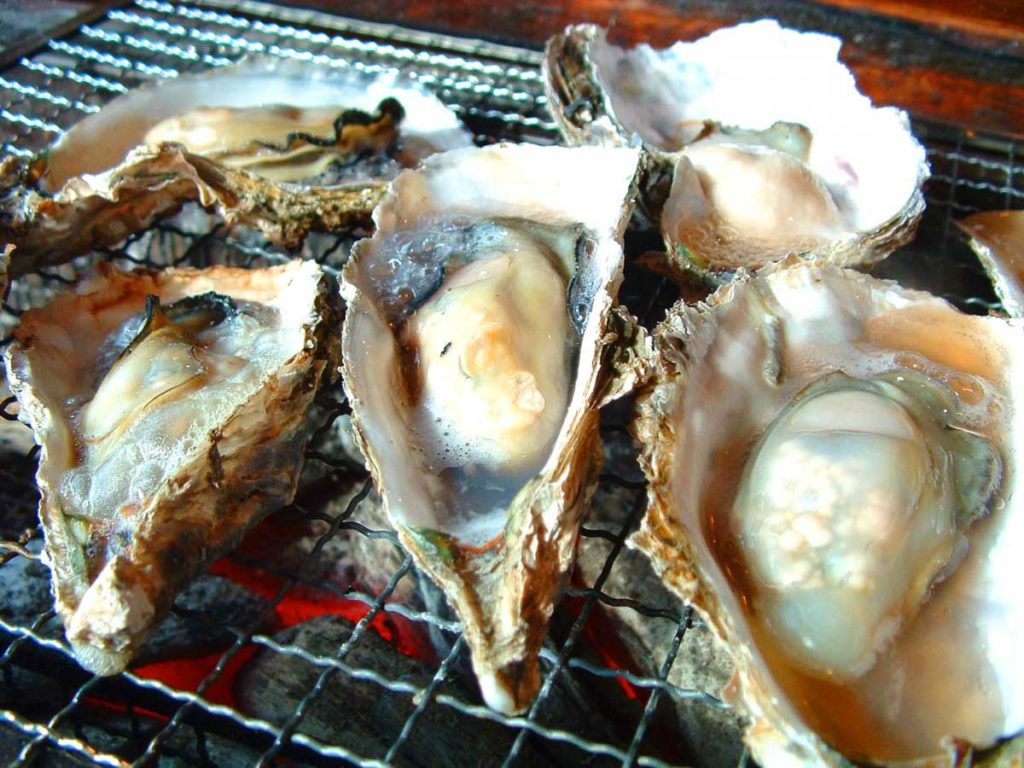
point(958, 667)
point(753, 75)
point(481, 316)
point(115, 475)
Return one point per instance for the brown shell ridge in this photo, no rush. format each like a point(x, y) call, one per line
point(154, 182)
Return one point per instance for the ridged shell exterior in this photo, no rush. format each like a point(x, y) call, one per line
point(504, 591)
point(673, 534)
point(247, 468)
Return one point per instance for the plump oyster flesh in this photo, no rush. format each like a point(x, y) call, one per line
point(171, 411)
point(99, 184)
point(483, 302)
point(998, 239)
point(719, 116)
point(281, 142)
point(843, 510)
point(259, 94)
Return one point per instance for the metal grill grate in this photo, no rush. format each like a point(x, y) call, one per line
point(51, 708)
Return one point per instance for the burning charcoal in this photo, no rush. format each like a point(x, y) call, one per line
point(332, 476)
point(346, 440)
point(11, 743)
point(38, 695)
point(362, 715)
point(202, 620)
point(357, 556)
point(712, 736)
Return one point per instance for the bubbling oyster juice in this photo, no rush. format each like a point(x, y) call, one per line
point(487, 347)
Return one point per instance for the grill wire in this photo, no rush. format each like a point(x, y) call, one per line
point(497, 91)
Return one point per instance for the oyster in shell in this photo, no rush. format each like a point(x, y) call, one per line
point(477, 319)
point(171, 411)
point(833, 484)
point(153, 182)
point(998, 239)
point(768, 144)
point(266, 130)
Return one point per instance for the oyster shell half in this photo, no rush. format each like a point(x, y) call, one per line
point(312, 134)
point(833, 483)
point(95, 211)
point(477, 319)
point(171, 411)
point(998, 239)
point(768, 144)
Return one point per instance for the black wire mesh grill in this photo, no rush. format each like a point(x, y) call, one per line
point(134, 719)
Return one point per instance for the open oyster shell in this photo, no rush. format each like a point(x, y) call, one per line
point(171, 411)
point(833, 483)
point(477, 319)
point(95, 211)
point(998, 239)
point(269, 129)
point(759, 143)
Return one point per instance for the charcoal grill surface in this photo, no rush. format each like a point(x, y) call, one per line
point(51, 712)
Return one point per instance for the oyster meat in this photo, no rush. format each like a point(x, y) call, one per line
point(171, 412)
point(998, 239)
point(477, 319)
point(833, 484)
point(769, 146)
point(279, 140)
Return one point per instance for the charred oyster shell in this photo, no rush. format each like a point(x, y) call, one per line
point(844, 511)
point(171, 411)
point(273, 143)
point(477, 319)
point(759, 143)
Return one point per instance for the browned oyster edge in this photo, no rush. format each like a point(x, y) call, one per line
point(506, 590)
point(96, 211)
point(249, 469)
point(576, 100)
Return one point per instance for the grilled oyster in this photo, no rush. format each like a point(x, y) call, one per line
point(477, 318)
point(770, 147)
point(998, 239)
point(278, 140)
point(844, 510)
point(171, 411)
